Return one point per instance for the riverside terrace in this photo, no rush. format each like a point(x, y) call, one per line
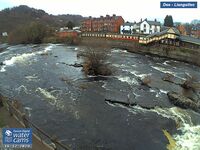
point(170, 36)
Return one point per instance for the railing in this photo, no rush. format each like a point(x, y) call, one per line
point(41, 135)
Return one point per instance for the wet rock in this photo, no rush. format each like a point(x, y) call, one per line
point(123, 102)
point(172, 79)
point(63, 63)
point(129, 102)
point(169, 78)
point(44, 54)
point(81, 54)
point(1, 64)
point(76, 65)
point(1, 100)
point(146, 81)
point(183, 102)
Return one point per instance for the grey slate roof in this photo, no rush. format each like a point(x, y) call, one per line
point(150, 22)
point(128, 24)
point(189, 39)
point(164, 32)
point(195, 28)
point(153, 23)
point(183, 38)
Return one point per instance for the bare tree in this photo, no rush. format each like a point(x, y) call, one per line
point(96, 61)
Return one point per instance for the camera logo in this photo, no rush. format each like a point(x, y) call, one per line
point(8, 133)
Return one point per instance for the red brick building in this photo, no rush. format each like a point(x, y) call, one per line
point(182, 29)
point(69, 33)
point(103, 24)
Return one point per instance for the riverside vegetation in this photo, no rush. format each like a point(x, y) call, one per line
point(36, 33)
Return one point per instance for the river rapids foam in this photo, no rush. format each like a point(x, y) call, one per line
point(189, 136)
point(22, 58)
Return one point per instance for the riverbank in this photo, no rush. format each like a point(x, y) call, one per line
point(11, 122)
point(172, 52)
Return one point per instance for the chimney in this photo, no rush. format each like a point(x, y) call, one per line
point(146, 19)
point(114, 15)
point(107, 16)
point(155, 20)
point(141, 20)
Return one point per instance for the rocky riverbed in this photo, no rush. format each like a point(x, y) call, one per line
point(115, 112)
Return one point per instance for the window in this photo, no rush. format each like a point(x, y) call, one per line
point(145, 25)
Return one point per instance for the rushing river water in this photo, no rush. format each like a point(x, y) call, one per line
point(68, 104)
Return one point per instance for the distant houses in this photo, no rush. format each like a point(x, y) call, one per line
point(195, 31)
point(144, 32)
point(115, 24)
point(142, 27)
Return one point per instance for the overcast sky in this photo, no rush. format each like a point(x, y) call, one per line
point(130, 10)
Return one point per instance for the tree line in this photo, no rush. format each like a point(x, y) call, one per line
point(31, 33)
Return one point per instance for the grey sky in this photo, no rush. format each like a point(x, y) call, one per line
point(131, 10)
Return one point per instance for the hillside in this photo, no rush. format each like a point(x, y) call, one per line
point(10, 18)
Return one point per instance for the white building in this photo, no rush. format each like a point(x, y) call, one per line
point(127, 28)
point(4, 34)
point(142, 27)
point(149, 27)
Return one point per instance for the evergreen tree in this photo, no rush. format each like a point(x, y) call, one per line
point(168, 21)
point(70, 25)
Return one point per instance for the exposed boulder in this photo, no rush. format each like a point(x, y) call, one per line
point(123, 102)
point(129, 103)
point(168, 77)
point(1, 64)
point(146, 81)
point(76, 65)
point(182, 101)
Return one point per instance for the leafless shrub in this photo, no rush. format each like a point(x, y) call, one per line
point(95, 61)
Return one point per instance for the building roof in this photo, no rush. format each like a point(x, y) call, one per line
point(153, 22)
point(195, 28)
point(167, 30)
point(173, 30)
point(149, 22)
point(104, 18)
point(189, 39)
point(128, 24)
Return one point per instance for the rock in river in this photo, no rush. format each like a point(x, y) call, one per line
point(76, 65)
point(182, 101)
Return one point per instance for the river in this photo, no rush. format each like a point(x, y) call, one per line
point(66, 103)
